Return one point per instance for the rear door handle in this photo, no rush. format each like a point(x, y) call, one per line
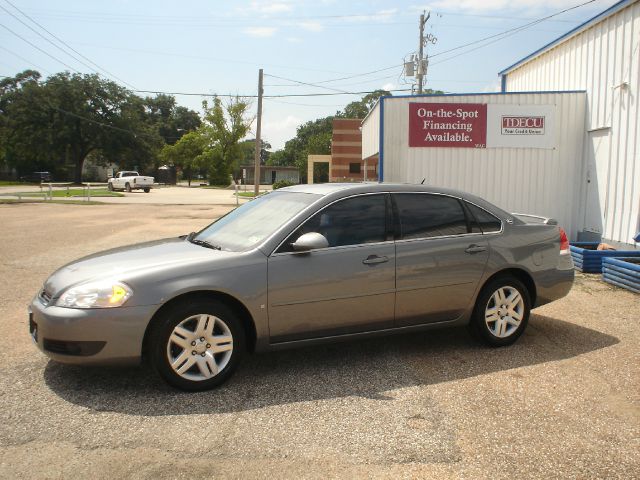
point(473, 248)
point(373, 259)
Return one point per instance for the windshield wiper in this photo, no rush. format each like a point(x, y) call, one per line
point(202, 243)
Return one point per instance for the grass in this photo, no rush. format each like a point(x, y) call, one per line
point(248, 194)
point(73, 192)
point(12, 183)
point(11, 201)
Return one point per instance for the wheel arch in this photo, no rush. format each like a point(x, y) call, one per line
point(519, 273)
point(236, 305)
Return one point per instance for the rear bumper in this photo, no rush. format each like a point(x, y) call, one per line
point(554, 284)
point(107, 336)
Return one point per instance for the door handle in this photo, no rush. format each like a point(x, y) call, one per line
point(373, 259)
point(473, 248)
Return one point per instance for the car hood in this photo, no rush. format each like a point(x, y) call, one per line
point(132, 261)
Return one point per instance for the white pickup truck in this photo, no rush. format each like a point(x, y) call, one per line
point(130, 180)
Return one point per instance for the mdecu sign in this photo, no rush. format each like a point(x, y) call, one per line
point(478, 125)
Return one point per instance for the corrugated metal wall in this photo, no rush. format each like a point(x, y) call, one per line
point(599, 59)
point(523, 180)
point(371, 132)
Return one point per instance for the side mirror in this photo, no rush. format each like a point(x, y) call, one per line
point(310, 241)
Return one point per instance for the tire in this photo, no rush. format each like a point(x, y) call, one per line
point(147, 190)
point(193, 354)
point(499, 317)
point(127, 188)
point(110, 187)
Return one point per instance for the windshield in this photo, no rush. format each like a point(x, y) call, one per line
point(248, 225)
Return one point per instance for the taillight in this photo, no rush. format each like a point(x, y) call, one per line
point(564, 241)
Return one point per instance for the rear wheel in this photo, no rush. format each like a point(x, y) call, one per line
point(197, 346)
point(502, 311)
point(147, 190)
point(127, 187)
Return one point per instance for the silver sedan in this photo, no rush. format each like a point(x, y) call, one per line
point(303, 265)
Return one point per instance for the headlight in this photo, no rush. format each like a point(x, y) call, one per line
point(100, 294)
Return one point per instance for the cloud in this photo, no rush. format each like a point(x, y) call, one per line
point(388, 86)
point(277, 132)
point(260, 31)
point(293, 39)
point(265, 8)
point(311, 26)
point(381, 15)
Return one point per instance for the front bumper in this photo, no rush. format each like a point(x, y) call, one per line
point(105, 336)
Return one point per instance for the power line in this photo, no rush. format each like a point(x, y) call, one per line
point(307, 84)
point(61, 41)
point(80, 117)
point(38, 48)
point(267, 96)
point(514, 30)
point(24, 59)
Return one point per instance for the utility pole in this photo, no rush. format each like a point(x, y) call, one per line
point(420, 71)
point(258, 144)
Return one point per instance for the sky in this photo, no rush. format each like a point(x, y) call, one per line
point(217, 47)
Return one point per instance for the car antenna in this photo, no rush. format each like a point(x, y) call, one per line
point(422, 182)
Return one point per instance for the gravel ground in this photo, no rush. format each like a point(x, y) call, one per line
point(564, 402)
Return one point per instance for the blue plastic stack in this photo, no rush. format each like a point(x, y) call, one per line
point(587, 258)
point(623, 272)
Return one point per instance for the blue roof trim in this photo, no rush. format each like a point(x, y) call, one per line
point(427, 95)
point(609, 11)
point(381, 141)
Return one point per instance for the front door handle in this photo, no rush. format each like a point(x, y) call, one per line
point(473, 248)
point(373, 259)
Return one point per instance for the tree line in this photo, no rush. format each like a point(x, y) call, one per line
point(58, 123)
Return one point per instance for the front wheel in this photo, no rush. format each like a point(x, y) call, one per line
point(502, 312)
point(110, 187)
point(197, 346)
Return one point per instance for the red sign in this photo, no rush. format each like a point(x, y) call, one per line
point(457, 125)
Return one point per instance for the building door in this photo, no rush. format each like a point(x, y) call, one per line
point(273, 177)
point(595, 205)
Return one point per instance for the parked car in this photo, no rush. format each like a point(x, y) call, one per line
point(37, 177)
point(299, 266)
point(130, 180)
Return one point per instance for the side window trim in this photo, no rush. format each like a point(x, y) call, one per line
point(386, 194)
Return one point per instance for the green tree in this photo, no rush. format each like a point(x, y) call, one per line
point(186, 154)
point(360, 108)
point(223, 128)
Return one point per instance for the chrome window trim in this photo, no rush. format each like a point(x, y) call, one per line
point(275, 250)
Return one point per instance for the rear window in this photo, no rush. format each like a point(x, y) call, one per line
point(425, 216)
point(483, 221)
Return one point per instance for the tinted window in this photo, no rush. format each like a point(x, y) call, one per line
point(352, 221)
point(424, 216)
point(483, 219)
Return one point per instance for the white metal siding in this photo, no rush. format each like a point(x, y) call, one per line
point(371, 132)
point(599, 59)
point(523, 180)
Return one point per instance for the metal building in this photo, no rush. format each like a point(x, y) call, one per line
point(560, 140)
point(602, 57)
point(525, 170)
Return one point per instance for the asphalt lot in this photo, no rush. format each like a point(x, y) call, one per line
point(564, 402)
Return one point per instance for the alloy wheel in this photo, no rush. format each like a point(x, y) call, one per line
point(504, 312)
point(200, 347)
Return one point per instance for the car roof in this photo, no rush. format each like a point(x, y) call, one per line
point(338, 190)
point(347, 188)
